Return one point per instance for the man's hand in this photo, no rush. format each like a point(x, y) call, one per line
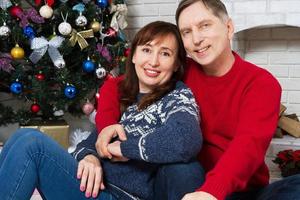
point(199, 196)
point(91, 175)
point(105, 136)
point(115, 150)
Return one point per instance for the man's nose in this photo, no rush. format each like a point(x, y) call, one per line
point(197, 37)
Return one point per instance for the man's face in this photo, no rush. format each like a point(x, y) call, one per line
point(206, 37)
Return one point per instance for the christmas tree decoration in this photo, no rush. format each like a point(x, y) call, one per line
point(40, 46)
point(4, 4)
point(46, 11)
point(17, 52)
point(5, 62)
point(48, 2)
point(4, 31)
point(65, 28)
point(29, 15)
point(95, 25)
point(111, 32)
point(53, 50)
point(104, 52)
point(16, 87)
point(80, 38)
point(29, 32)
point(102, 3)
point(119, 17)
point(35, 108)
point(127, 52)
point(70, 91)
point(81, 20)
point(88, 66)
point(100, 72)
point(15, 11)
point(40, 76)
point(88, 108)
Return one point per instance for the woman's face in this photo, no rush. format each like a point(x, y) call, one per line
point(155, 62)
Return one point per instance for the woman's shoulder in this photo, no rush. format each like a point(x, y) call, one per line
point(181, 89)
point(181, 94)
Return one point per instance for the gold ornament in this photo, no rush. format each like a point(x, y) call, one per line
point(17, 52)
point(96, 26)
point(80, 38)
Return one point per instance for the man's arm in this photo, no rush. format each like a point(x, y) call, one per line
point(108, 110)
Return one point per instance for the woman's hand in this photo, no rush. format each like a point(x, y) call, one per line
point(105, 137)
point(198, 196)
point(91, 175)
point(115, 150)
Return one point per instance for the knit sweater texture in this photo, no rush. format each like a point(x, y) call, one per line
point(239, 114)
point(167, 131)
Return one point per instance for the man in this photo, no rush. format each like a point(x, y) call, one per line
point(239, 104)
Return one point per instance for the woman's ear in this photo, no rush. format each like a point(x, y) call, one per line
point(133, 59)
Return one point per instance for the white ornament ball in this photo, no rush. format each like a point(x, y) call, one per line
point(46, 12)
point(65, 28)
point(4, 31)
point(100, 72)
point(81, 21)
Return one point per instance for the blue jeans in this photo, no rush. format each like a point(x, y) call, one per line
point(30, 160)
point(173, 181)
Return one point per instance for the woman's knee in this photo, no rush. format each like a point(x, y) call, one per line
point(29, 138)
point(191, 171)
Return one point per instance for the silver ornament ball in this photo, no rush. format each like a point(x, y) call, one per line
point(64, 28)
point(81, 21)
point(100, 72)
point(4, 31)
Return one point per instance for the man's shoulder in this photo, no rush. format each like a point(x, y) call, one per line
point(258, 75)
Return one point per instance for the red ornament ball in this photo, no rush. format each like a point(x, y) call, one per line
point(40, 76)
point(111, 32)
point(127, 52)
point(35, 108)
point(15, 11)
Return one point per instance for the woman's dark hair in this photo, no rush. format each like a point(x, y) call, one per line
point(129, 86)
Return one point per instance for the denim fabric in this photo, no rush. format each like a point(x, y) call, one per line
point(31, 159)
point(173, 181)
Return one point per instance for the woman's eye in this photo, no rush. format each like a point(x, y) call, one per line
point(146, 50)
point(166, 54)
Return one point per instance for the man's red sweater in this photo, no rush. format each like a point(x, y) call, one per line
point(239, 114)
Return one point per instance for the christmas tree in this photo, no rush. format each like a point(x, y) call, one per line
point(54, 55)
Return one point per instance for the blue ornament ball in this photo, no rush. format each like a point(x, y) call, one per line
point(16, 87)
point(70, 91)
point(88, 66)
point(102, 3)
point(29, 32)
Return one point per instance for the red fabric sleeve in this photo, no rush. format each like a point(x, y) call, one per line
point(108, 109)
point(258, 117)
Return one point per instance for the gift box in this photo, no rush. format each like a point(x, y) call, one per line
point(58, 130)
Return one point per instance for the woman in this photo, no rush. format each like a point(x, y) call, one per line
point(160, 118)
